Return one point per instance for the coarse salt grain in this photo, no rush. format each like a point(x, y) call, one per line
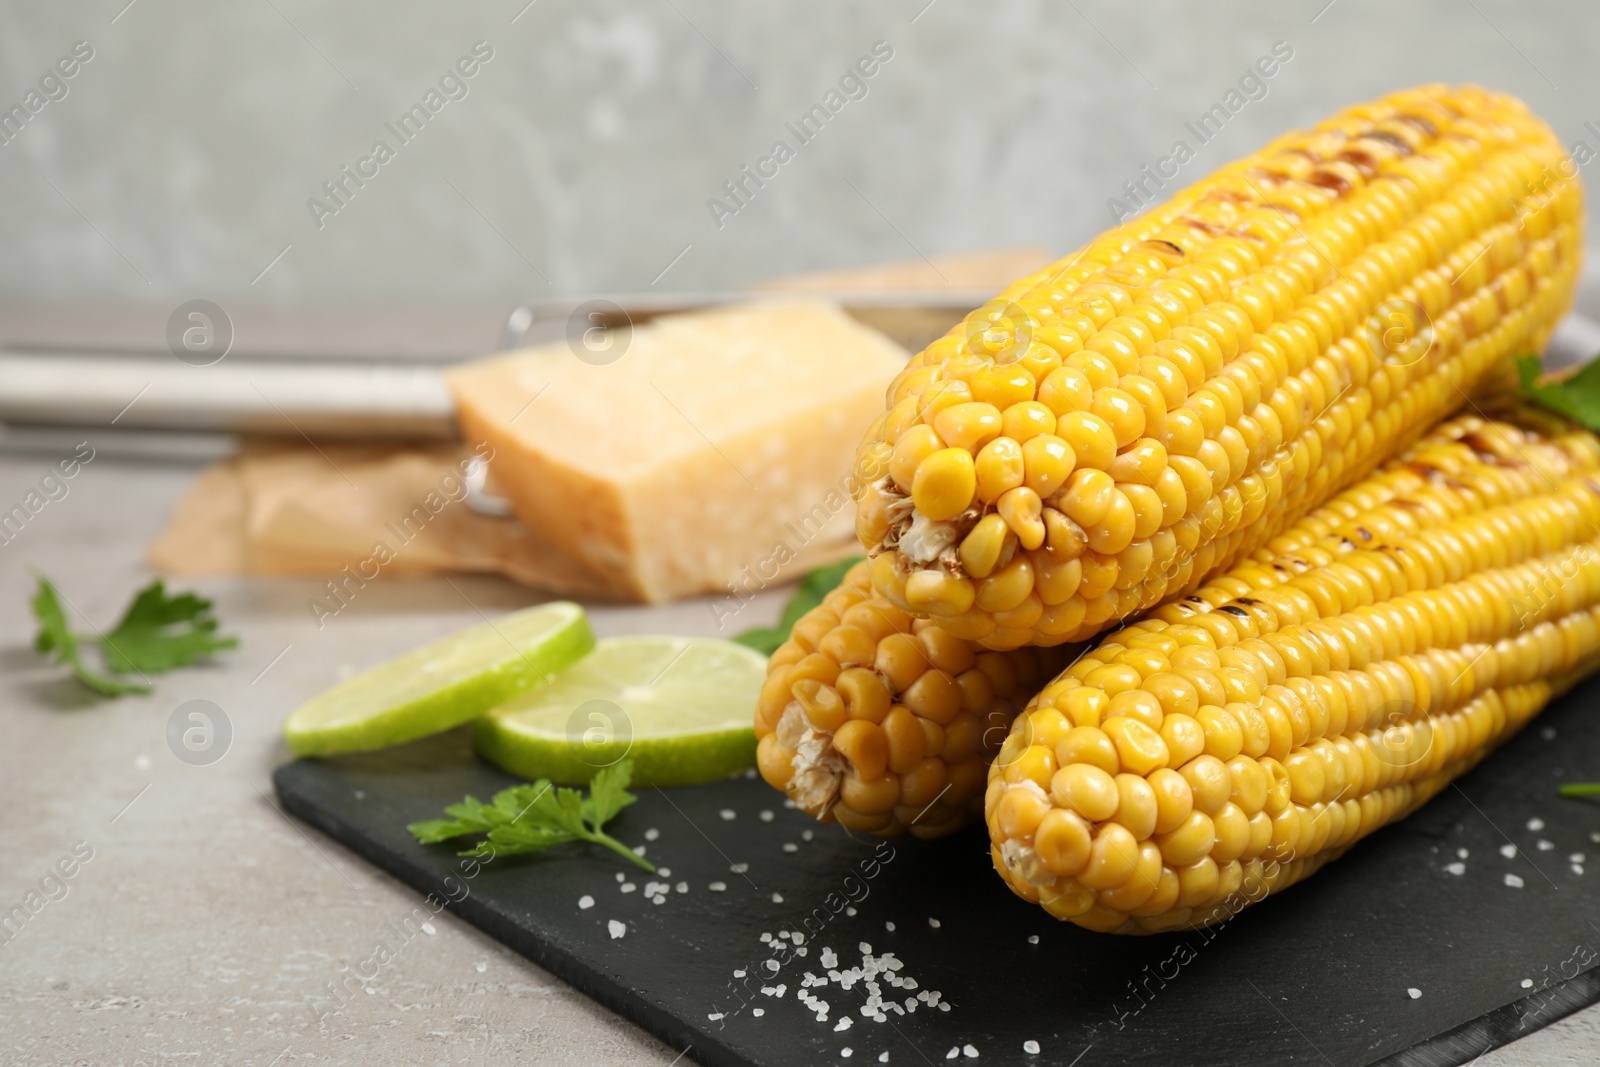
point(621, 877)
point(850, 910)
point(1514, 881)
point(1536, 824)
point(846, 1052)
point(1456, 868)
point(665, 872)
point(586, 902)
point(955, 1050)
point(758, 1012)
point(969, 1052)
point(933, 923)
point(1414, 993)
point(1576, 857)
point(889, 927)
point(1031, 1047)
point(1577, 868)
point(651, 834)
point(777, 898)
point(628, 887)
point(1527, 983)
point(717, 887)
point(1508, 851)
point(766, 815)
point(682, 887)
point(1033, 939)
point(1462, 853)
point(617, 929)
point(790, 846)
point(738, 868)
point(728, 814)
point(1546, 846)
point(807, 835)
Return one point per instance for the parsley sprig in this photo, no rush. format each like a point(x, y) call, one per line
point(1576, 396)
point(156, 633)
point(532, 818)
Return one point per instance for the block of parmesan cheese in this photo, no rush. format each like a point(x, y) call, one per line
point(705, 458)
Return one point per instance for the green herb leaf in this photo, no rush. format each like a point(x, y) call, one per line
point(56, 641)
point(534, 817)
point(159, 632)
point(1577, 397)
point(808, 594)
point(1580, 789)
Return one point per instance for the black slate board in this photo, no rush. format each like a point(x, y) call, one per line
point(1318, 975)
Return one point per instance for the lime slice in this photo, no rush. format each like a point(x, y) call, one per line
point(432, 688)
point(679, 707)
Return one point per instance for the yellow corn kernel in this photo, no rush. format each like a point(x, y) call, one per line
point(1022, 511)
point(968, 426)
point(913, 446)
point(1027, 420)
point(938, 593)
point(999, 468)
point(1047, 463)
point(982, 547)
point(944, 484)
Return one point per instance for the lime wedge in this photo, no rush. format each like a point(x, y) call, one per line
point(679, 707)
point(432, 688)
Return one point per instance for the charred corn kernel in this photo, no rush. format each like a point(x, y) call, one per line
point(1328, 684)
point(1239, 354)
point(1022, 511)
point(873, 743)
point(944, 484)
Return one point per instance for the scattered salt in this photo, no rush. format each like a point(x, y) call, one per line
point(790, 846)
point(1576, 857)
point(1546, 846)
point(846, 1052)
point(777, 898)
point(665, 872)
point(682, 887)
point(934, 923)
point(1514, 881)
point(955, 1050)
point(1536, 824)
point(1548, 733)
point(651, 834)
point(617, 929)
point(1508, 851)
point(714, 1016)
point(969, 1052)
point(728, 814)
point(844, 1024)
point(883, 1057)
point(739, 973)
point(429, 929)
point(628, 887)
point(1456, 868)
point(586, 902)
point(767, 816)
point(739, 868)
point(481, 966)
point(638, 850)
point(1414, 993)
point(758, 1012)
point(1031, 1047)
point(889, 927)
point(1033, 939)
point(717, 887)
point(850, 910)
point(1527, 983)
point(1462, 853)
point(1577, 868)
point(621, 877)
point(806, 835)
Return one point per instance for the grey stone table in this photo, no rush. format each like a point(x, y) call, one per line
point(205, 917)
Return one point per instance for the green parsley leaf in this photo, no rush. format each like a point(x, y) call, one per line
point(808, 594)
point(60, 644)
point(531, 818)
point(157, 633)
point(1576, 397)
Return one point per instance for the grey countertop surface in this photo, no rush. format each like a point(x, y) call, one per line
point(206, 916)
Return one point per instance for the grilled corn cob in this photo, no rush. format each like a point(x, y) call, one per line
point(1108, 432)
point(885, 723)
point(1234, 741)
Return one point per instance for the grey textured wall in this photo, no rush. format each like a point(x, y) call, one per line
point(181, 159)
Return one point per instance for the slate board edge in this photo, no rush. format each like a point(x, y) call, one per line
point(1456, 1047)
point(702, 1047)
point(1464, 1044)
